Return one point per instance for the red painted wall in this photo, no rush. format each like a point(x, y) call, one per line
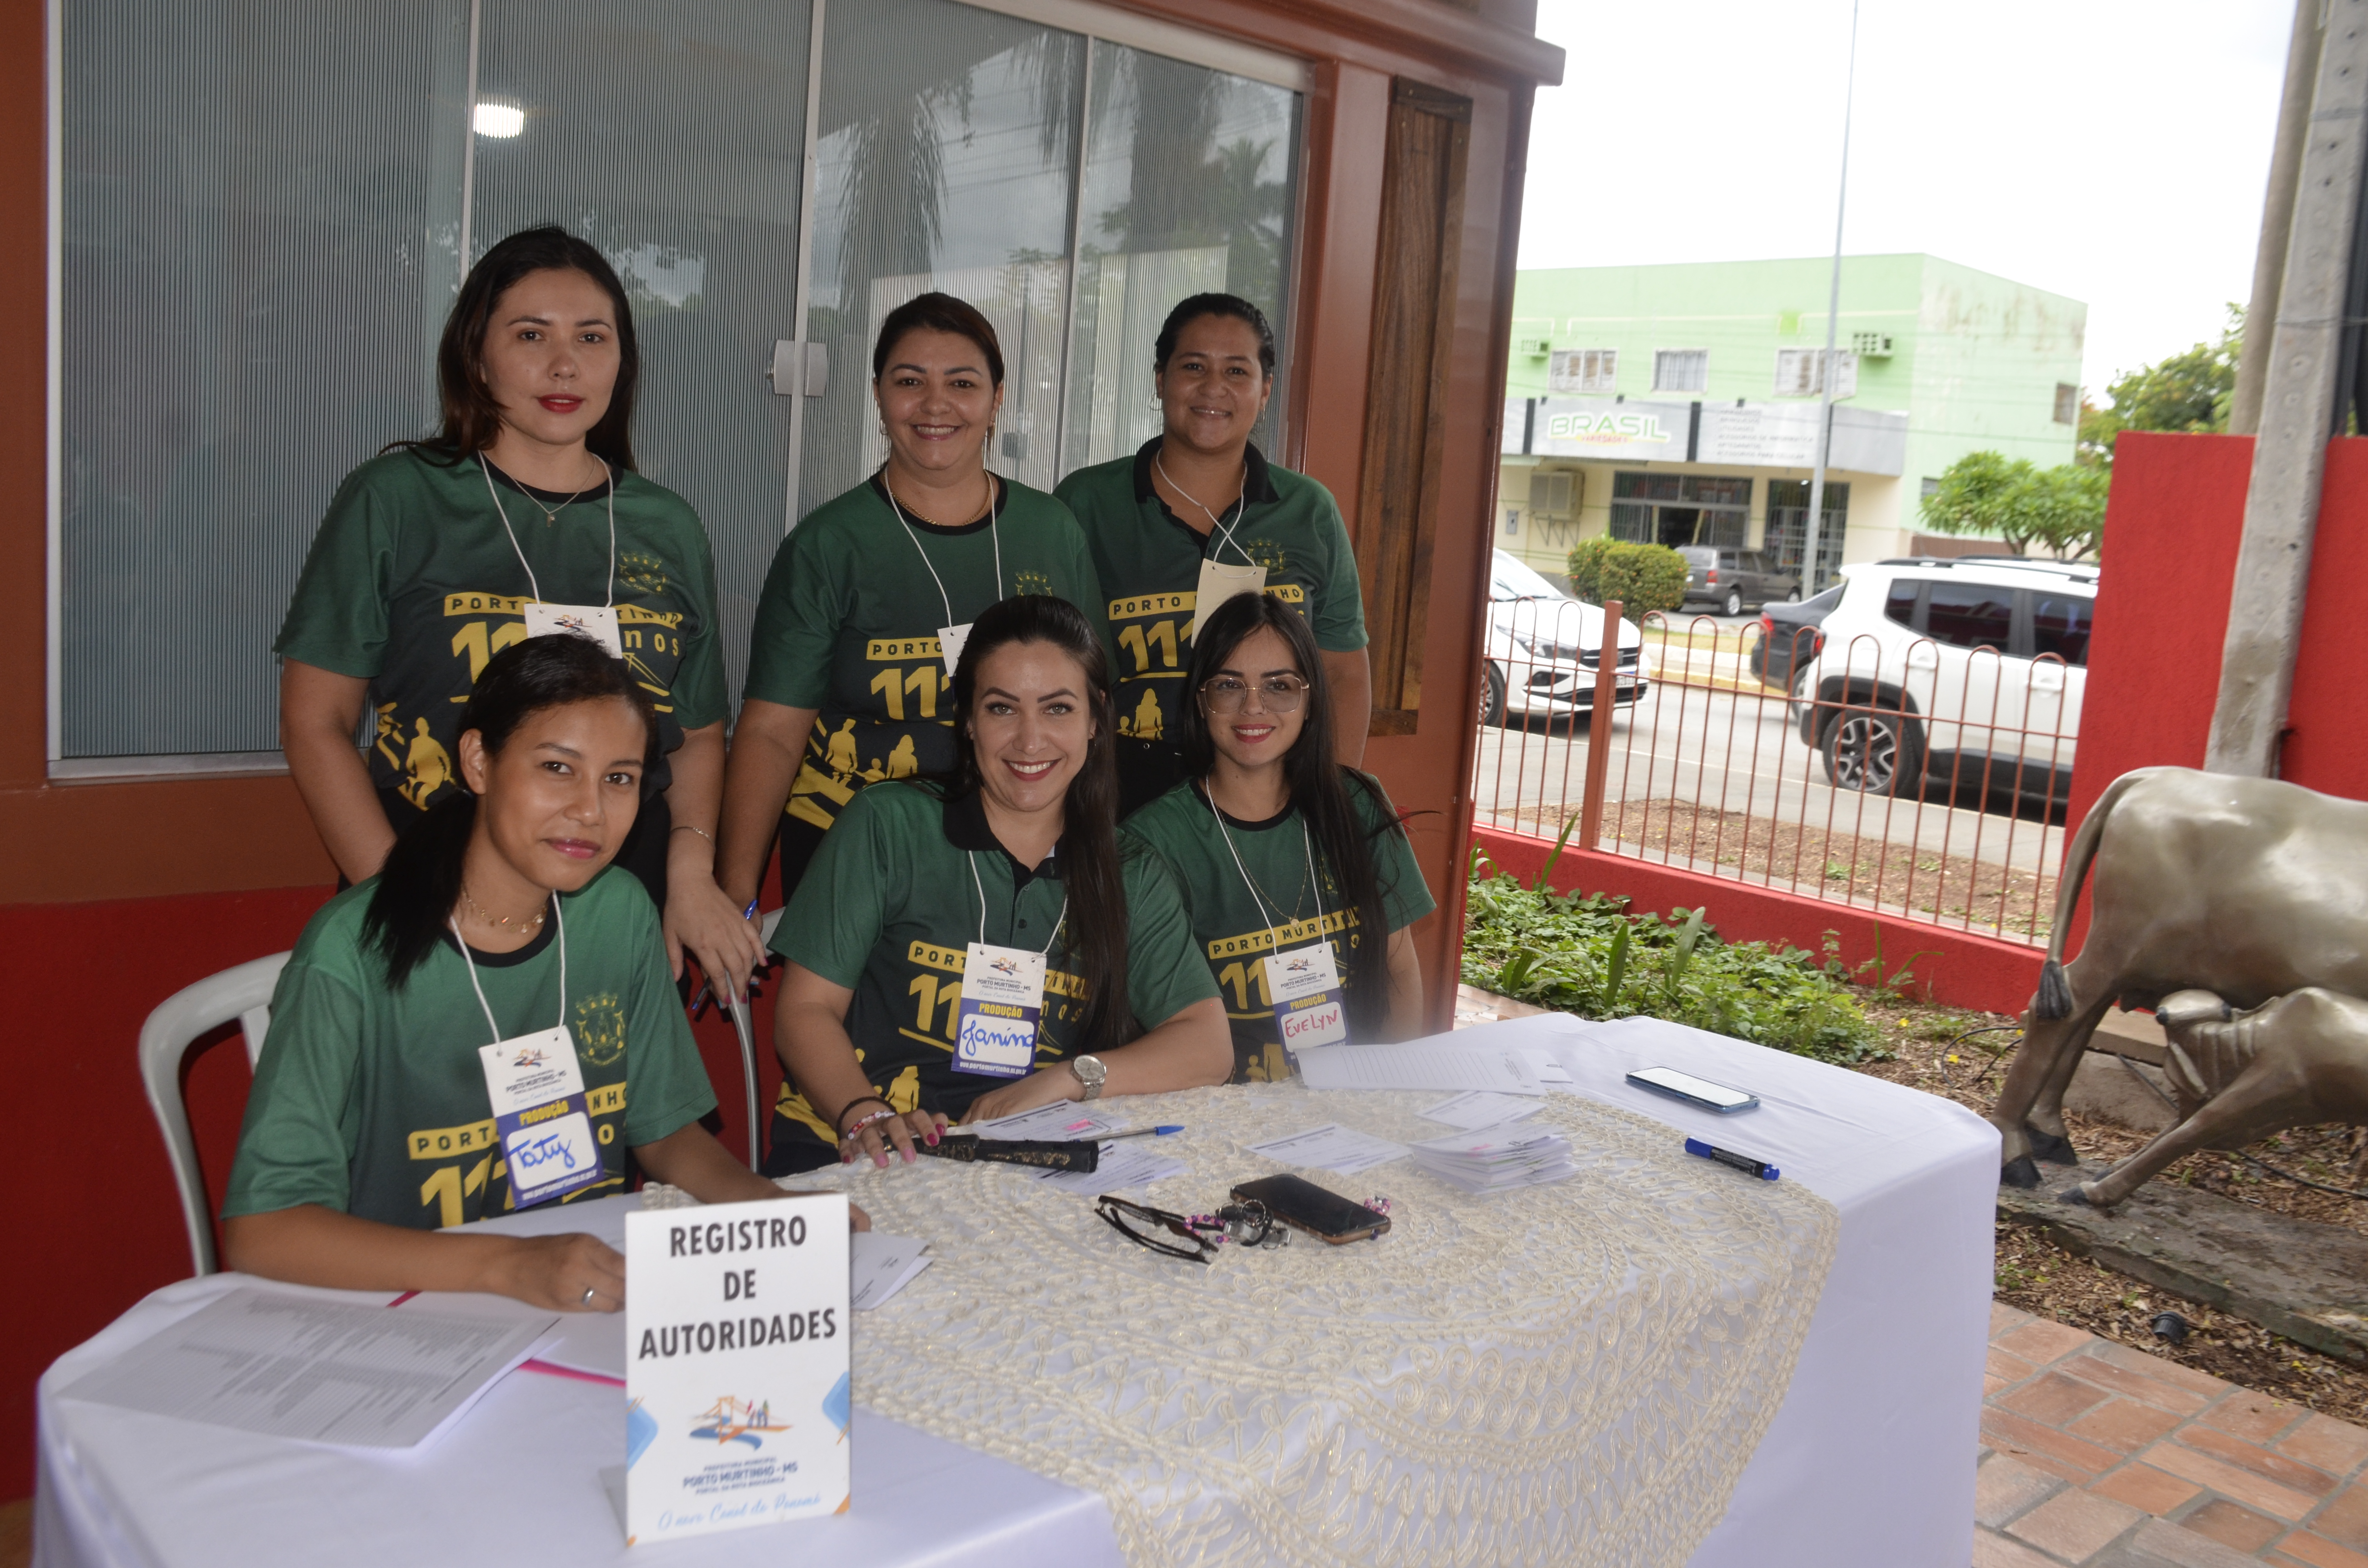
point(1954, 967)
point(95, 1207)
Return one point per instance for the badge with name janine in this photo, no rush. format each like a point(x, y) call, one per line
point(1002, 998)
point(1303, 984)
point(539, 1116)
point(737, 1375)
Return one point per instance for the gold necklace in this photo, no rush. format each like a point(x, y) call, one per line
point(987, 502)
point(499, 922)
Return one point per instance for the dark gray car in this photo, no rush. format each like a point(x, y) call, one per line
point(1733, 579)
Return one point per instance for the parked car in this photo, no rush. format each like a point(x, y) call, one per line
point(1789, 637)
point(1731, 579)
point(1964, 671)
point(1544, 648)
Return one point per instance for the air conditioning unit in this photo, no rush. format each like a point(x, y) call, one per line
point(1872, 345)
point(1535, 348)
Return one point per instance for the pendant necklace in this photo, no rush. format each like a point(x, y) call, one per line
point(502, 921)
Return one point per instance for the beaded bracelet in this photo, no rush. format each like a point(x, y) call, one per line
point(876, 1117)
point(860, 1099)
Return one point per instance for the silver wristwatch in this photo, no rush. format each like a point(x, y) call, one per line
point(1090, 1072)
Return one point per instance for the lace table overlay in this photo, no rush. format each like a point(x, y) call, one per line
point(1568, 1374)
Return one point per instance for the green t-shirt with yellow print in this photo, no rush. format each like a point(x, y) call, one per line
point(372, 1100)
point(413, 584)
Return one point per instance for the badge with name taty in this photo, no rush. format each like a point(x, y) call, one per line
point(1002, 998)
point(597, 621)
point(540, 1116)
point(950, 644)
point(1303, 984)
point(1220, 582)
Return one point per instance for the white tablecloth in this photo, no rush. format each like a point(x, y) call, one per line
point(1868, 1460)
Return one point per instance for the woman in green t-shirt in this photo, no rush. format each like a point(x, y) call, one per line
point(1280, 849)
point(848, 680)
point(1017, 852)
point(523, 509)
point(378, 1115)
point(1197, 504)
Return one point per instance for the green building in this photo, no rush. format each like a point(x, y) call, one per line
point(1678, 403)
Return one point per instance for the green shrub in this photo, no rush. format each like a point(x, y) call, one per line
point(1585, 954)
point(1643, 577)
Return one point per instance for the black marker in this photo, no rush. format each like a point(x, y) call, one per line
point(1743, 1163)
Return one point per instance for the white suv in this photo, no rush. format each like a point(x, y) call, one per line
point(1543, 648)
point(1966, 671)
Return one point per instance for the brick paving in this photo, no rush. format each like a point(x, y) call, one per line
point(2097, 1456)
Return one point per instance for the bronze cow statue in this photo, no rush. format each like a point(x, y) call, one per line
point(2293, 1062)
point(2246, 888)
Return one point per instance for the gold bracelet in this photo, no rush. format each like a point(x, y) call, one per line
point(686, 827)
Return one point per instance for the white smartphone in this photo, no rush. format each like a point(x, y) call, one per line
point(1693, 1091)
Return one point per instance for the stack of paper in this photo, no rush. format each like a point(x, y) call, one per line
point(1332, 1147)
point(880, 1264)
point(1497, 1159)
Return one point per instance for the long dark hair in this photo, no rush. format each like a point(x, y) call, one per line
point(1091, 871)
point(1319, 786)
point(421, 879)
point(1193, 307)
point(471, 418)
point(937, 312)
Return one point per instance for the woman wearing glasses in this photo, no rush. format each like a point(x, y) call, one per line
point(862, 615)
point(1300, 880)
point(981, 945)
point(1199, 513)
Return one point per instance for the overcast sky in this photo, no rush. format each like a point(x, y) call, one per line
point(2111, 149)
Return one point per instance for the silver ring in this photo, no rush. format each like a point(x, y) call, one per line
point(587, 1295)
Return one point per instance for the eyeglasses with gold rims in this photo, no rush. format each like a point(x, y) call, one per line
point(1193, 1237)
point(1277, 694)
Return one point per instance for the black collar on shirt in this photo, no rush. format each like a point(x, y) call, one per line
point(967, 829)
point(527, 954)
point(1258, 485)
point(984, 519)
point(1237, 824)
point(551, 497)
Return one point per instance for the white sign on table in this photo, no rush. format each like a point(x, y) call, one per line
point(738, 1391)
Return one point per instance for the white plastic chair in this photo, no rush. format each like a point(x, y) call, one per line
point(243, 993)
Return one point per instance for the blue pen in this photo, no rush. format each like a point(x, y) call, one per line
point(1145, 1133)
point(1743, 1163)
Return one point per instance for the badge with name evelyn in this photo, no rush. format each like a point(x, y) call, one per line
point(1220, 582)
point(540, 1115)
point(1303, 984)
point(597, 621)
point(737, 1393)
point(950, 644)
point(1002, 998)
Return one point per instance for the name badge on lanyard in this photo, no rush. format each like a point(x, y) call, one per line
point(540, 1117)
point(1220, 582)
point(597, 621)
point(1002, 999)
point(950, 644)
point(1303, 984)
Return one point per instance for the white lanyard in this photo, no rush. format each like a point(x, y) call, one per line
point(1241, 504)
point(994, 532)
point(559, 925)
point(499, 512)
point(1273, 936)
point(969, 858)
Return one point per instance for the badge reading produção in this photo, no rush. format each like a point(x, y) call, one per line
point(540, 1117)
point(1002, 998)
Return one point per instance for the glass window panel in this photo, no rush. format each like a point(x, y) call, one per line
point(1899, 605)
point(1189, 186)
point(1681, 369)
point(256, 260)
point(1644, 487)
point(671, 136)
point(1969, 615)
point(2059, 624)
point(1632, 523)
point(1719, 489)
point(946, 163)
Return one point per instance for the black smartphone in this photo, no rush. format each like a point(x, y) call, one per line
point(1304, 1206)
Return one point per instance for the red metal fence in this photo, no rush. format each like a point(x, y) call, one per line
point(1917, 777)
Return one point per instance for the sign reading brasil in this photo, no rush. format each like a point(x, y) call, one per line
point(738, 1398)
point(1610, 427)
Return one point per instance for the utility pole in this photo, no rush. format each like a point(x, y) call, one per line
point(2277, 218)
point(1809, 584)
point(2301, 411)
